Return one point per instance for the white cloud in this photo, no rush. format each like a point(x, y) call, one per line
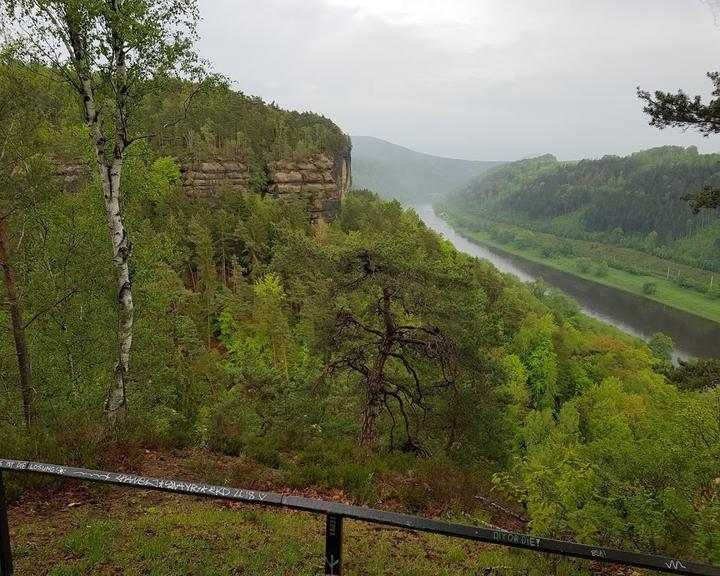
point(415, 12)
point(462, 24)
point(472, 78)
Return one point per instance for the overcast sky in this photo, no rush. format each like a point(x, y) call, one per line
point(478, 79)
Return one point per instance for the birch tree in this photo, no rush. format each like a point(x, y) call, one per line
point(113, 54)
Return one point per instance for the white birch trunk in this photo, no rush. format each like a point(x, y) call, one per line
point(122, 250)
point(116, 406)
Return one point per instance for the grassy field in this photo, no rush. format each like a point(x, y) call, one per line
point(116, 531)
point(667, 291)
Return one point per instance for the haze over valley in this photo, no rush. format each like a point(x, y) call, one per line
point(395, 172)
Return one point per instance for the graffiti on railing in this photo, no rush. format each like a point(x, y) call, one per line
point(335, 513)
point(522, 539)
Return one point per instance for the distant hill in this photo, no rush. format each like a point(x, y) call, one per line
point(411, 177)
point(634, 202)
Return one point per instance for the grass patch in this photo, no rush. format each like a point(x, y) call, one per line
point(666, 292)
point(150, 534)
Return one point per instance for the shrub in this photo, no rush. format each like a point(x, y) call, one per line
point(601, 269)
point(684, 282)
point(567, 248)
point(526, 240)
point(649, 288)
point(661, 346)
point(345, 467)
point(438, 482)
point(233, 426)
point(584, 265)
point(549, 251)
point(506, 236)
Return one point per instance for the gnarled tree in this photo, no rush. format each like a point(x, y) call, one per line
point(401, 322)
point(388, 318)
point(114, 54)
point(371, 350)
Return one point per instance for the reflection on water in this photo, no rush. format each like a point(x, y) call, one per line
point(694, 337)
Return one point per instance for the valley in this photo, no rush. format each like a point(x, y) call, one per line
point(627, 309)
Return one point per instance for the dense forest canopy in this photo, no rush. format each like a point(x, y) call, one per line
point(225, 123)
point(118, 61)
point(680, 110)
point(635, 201)
point(193, 122)
point(257, 335)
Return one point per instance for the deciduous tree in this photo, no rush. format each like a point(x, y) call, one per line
point(113, 53)
point(24, 177)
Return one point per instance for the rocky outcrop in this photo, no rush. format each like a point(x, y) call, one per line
point(205, 179)
point(319, 182)
point(73, 175)
point(342, 171)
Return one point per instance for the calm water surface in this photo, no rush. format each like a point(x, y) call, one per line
point(694, 337)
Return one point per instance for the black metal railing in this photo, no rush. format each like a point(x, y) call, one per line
point(335, 513)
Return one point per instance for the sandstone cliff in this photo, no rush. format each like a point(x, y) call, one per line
point(320, 182)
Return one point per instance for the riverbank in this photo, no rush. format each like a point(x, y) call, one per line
point(665, 291)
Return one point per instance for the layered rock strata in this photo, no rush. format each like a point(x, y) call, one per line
point(319, 182)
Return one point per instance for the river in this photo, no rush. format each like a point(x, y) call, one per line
point(694, 337)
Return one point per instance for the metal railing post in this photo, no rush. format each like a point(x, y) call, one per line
point(333, 545)
point(6, 566)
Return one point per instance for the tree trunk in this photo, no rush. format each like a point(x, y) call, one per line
point(372, 408)
point(375, 377)
point(371, 411)
point(18, 328)
point(122, 250)
point(116, 406)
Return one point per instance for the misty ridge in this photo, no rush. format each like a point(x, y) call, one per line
point(395, 172)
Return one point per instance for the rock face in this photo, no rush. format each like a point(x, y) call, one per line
point(204, 179)
point(319, 182)
point(74, 175)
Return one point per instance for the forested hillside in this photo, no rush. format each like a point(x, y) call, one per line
point(363, 356)
point(367, 355)
point(225, 123)
point(635, 201)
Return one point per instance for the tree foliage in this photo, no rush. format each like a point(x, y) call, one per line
point(358, 355)
point(683, 111)
point(635, 201)
point(113, 54)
